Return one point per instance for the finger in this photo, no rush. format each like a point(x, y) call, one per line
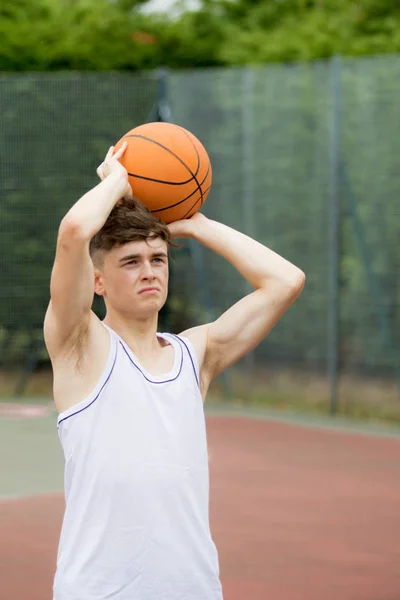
point(120, 152)
point(109, 153)
point(100, 172)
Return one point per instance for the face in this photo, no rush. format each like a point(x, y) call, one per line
point(134, 278)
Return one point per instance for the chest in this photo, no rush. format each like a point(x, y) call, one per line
point(139, 420)
point(160, 363)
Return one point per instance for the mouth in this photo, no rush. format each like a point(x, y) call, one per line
point(149, 290)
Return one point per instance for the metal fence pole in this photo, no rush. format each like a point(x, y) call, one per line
point(161, 110)
point(334, 241)
point(248, 152)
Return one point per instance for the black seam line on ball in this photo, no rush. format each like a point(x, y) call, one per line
point(195, 149)
point(198, 162)
point(184, 199)
point(192, 207)
point(160, 180)
point(193, 175)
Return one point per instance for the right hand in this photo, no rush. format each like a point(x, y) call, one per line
point(111, 164)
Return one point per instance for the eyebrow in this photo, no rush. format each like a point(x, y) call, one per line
point(135, 256)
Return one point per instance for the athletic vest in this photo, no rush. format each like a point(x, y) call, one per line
point(136, 523)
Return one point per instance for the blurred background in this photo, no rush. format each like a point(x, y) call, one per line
point(297, 103)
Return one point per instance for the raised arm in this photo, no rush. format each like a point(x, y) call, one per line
point(242, 327)
point(72, 277)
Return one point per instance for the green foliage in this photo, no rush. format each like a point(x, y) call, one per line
point(80, 35)
point(101, 35)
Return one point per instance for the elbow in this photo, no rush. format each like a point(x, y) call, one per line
point(297, 282)
point(292, 284)
point(71, 228)
point(287, 288)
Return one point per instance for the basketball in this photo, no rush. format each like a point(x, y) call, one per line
point(169, 169)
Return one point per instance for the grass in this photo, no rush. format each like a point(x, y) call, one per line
point(372, 401)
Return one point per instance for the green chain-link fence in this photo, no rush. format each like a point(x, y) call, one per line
point(305, 159)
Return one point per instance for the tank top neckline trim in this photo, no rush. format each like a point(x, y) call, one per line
point(167, 377)
point(115, 343)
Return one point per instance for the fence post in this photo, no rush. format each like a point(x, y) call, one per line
point(248, 154)
point(334, 241)
point(161, 110)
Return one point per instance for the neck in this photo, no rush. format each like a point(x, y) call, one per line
point(139, 334)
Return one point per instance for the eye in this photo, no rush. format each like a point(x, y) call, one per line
point(158, 259)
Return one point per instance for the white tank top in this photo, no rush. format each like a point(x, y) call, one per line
point(136, 524)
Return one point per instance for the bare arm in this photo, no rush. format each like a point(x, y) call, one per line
point(72, 278)
point(242, 327)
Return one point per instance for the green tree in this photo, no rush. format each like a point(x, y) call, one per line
point(106, 35)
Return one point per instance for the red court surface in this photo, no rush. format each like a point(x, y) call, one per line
point(296, 513)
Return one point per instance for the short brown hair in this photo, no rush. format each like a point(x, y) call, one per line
point(129, 221)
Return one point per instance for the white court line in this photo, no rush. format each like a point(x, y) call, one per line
point(6, 498)
point(17, 410)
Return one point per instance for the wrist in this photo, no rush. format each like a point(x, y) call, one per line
point(116, 183)
point(199, 224)
point(194, 227)
point(199, 227)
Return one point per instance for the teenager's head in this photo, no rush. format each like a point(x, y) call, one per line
point(130, 257)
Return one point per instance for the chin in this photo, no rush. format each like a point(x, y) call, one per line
point(148, 309)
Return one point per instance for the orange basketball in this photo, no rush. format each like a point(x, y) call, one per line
point(169, 169)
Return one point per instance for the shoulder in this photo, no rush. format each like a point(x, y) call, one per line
point(197, 337)
point(78, 364)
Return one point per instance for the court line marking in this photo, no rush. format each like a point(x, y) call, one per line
point(8, 498)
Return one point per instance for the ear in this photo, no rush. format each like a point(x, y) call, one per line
point(98, 282)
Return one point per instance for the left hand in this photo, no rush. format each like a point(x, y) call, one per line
point(186, 228)
point(111, 165)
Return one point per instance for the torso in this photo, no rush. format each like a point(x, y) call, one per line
point(77, 368)
point(136, 523)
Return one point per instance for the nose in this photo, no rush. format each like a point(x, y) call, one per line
point(147, 271)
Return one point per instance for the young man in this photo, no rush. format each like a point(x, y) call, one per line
point(131, 419)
